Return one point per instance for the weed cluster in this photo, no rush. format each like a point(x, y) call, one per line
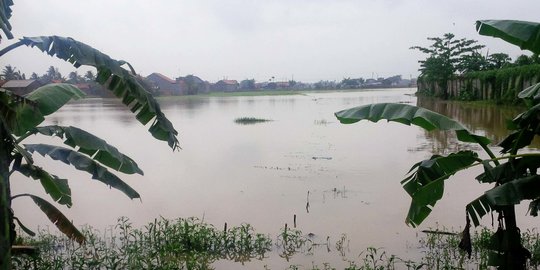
point(162, 244)
point(250, 120)
point(193, 244)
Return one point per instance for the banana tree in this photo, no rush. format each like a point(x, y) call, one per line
point(20, 117)
point(513, 174)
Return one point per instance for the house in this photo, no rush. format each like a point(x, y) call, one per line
point(21, 87)
point(164, 85)
point(226, 86)
point(193, 85)
point(283, 85)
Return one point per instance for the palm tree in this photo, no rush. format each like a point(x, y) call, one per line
point(74, 78)
point(11, 73)
point(89, 76)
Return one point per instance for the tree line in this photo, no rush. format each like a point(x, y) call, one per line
point(449, 56)
point(52, 74)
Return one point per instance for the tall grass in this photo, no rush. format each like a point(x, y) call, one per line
point(193, 244)
point(162, 244)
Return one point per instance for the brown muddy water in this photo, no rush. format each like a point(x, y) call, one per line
point(262, 174)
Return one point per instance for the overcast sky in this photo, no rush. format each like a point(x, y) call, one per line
point(308, 40)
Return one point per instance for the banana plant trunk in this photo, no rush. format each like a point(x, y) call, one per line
point(6, 218)
point(516, 255)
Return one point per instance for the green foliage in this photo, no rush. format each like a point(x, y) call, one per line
point(408, 114)
point(446, 55)
point(520, 33)
point(5, 14)
point(514, 181)
point(11, 73)
point(498, 60)
point(57, 218)
point(20, 117)
point(121, 82)
point(162, 244)
point(24, 115)
point(193, 244)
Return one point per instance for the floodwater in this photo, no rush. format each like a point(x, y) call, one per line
point(266, 173)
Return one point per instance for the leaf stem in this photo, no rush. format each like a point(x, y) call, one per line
point(21, 195)
point(514, 156)
point(488, 151)
point(11, 47)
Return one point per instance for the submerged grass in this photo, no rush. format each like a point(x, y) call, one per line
point(162, 244)
point(193, 244)
point(250, 120)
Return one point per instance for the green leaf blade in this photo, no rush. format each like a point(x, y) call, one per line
point(56, 187)
point(408, 114)
point(83, 163)
point(521, 33)
point(57, 218)
point(46, 100)
point(513, 192)
point(122, 83)
point(425, 183)
point(93, 146)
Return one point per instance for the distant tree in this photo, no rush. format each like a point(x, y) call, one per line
point(247, 84)
point(444, 57)
point(320, 85)
point(51, 75)
point(11, 73)
point(349, 83)
point(292, 83)
point(271, 85)
point(34, 76)
point(523, 60)
point(391, 80)
point(89, 76)
point(472, 62)
point(535, 58)
point(498, 60)
point(74, 78)
point(192, 85)
point(436, 69)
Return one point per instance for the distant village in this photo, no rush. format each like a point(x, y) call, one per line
point(161, 85)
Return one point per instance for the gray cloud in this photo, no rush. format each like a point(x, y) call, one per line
point(312, 40)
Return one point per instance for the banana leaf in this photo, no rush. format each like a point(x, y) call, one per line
point(124, 84)
point(56, 217)
point(5, 14)
point(425, 183)
point(408, 114)
point(83, 163)
point(524, 34)
point(56, 187)
point(93, 146)
point(24, 114)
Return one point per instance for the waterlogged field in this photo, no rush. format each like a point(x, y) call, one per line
point(337, 184)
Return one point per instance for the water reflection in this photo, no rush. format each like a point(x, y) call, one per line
point(484, 119)
point(184, 103)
